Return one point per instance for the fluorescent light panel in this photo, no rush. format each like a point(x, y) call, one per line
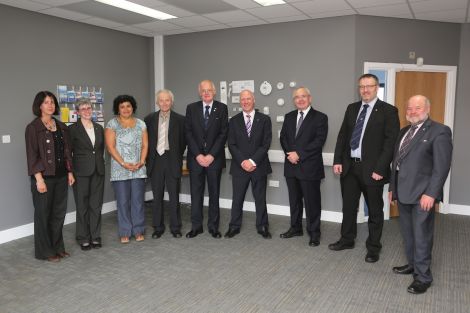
point(266, 3)
point(137, 8)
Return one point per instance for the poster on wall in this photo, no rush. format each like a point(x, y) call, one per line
point(69, 95)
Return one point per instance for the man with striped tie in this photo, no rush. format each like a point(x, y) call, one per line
point(164, 161)
point(249, 138)
point(363, 153)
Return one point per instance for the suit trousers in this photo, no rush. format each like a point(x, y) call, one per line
point(352, 185)
point(160, 178)
point(197, 180)
point(88, 195)
point(417, 228)
point(130, 206)
point(50, 208)
point(258, 188)
point(309, 190)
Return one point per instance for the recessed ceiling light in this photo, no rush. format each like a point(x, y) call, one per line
point(266, 3)
point(137, 8)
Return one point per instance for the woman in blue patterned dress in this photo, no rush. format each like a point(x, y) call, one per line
point(127, 143)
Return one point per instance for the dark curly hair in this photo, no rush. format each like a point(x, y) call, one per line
point(121, 99)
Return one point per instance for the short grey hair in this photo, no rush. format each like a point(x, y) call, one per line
point(301, 87)
point(168, 92)
point(82, 102)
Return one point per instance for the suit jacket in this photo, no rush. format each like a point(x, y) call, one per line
point(40, 151)
point(176, 142)
point(87, 158)
point(377, 143)
point(210, 141)
point(425, 165)
point(254, 147)
point(308, 144)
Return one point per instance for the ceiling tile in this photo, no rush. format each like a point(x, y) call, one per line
point(247, 23)
point(332, 13)
point(134, 30)
point(370, 3)
point(397, 10)
point(108, 12)
point(211, 27)
point(322, 6)
point(101, 22)
point(24, 4)
point(287, 18)
point(175, 11)
point(273, 11)
point(67, 14)
point(57, 3)
point(158, 26)
point(201, 6)
point(177, 31)
point(230, 16)
point(154, 4)
point(243, 4)
point(193, 21)
point(438, 5)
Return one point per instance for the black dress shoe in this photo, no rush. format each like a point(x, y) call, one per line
point(264, 232)
point(96, 244)
point(157, 234)
point(231, 232)
point(215, 233)
point(372, 257)
point(314, 242)
point(291, 233)
point(418, 287)
point(340, 245)
point(405, 269)
point(176, 234)
point(194, 232)
point(85, 246)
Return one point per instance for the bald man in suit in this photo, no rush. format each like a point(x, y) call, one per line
point(421, 163)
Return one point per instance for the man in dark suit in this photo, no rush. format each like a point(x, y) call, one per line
point(249, 138)
point(303, 135)
point(87, 141)
point(164, 161)
point(206, 127)
point(421, 163)
point(363, 153)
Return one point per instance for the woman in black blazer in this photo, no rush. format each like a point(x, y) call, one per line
point(87, 139)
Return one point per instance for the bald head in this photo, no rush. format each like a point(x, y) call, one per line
point(247, 101)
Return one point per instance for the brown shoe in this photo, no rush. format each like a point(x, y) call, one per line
point(63, 255)
point(53, 258)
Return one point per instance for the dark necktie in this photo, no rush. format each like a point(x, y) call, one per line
point(356, 135)
point(206, 116)
point(299, 123)
point(248, 125)
point(405, 143)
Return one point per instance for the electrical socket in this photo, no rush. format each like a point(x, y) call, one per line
point(412, 55)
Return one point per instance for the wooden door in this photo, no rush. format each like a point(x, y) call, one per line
point(429, 84)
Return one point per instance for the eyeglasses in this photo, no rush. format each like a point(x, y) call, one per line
point(207, 91)
point(362, 87)
point(85, 109)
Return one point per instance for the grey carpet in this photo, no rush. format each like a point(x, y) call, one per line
point(244, 274)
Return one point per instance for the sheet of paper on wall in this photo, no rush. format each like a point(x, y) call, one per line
point(240, 85)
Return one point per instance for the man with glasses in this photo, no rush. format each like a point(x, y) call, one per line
point(363, 153)
point(206, 128)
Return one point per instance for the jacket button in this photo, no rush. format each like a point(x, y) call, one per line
point(49, 161)
point(48, 151)
point(48, 141)
point(93, 152)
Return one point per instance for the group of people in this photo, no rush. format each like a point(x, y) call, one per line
point(370, 152)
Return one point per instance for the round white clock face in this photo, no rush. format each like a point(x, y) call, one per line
point(292, 84)
point(265, 88)
point(280, 102)
point(280, 85)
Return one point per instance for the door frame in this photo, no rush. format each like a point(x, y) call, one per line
point(451, 83)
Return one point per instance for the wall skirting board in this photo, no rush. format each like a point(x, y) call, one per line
point(329, 216)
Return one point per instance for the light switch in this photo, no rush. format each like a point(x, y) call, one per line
point(6, 139)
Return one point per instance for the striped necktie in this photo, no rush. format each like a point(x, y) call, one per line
point(357, 132)
point(299, 123)
point(248, 125)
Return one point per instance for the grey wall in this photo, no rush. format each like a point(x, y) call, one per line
point(37, 52)
point(326, 55)
point(459, 187)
